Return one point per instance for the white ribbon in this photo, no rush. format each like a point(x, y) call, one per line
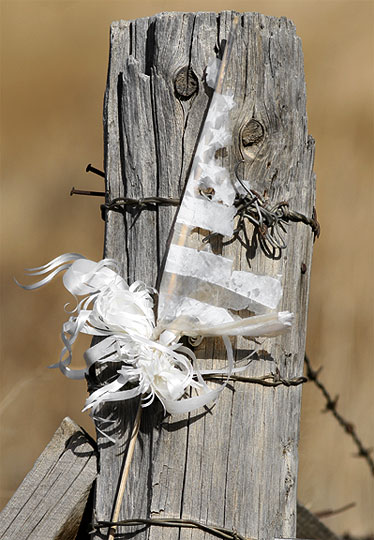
point(151, 359)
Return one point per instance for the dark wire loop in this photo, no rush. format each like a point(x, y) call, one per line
point(214, 530)
point(271, 221)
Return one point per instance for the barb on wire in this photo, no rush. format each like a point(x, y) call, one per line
point(331, 403)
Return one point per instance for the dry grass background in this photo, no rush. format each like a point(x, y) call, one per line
point(54, 63)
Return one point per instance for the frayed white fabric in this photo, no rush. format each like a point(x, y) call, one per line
point(152, 361)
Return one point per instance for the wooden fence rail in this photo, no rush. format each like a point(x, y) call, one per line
point(50, 502)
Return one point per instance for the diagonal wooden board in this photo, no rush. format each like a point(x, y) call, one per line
point(50, 502)
point(58, 511)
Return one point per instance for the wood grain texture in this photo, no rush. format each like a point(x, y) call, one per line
point(235, 465)
point(50, 502)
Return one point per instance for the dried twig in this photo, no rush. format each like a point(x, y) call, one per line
point(333, 512)
point(124, 474)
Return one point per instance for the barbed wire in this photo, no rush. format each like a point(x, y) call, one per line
point(331, 403)
point(118, 204)
point(270, 221)
point(270, 379)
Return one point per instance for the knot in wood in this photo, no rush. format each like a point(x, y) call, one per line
point(185, 83)
point(252, 133)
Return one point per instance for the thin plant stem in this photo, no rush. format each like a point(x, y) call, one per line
point(125, 472)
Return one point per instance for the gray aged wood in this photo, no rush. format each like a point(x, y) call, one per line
point(236, 465)
point(50, 501)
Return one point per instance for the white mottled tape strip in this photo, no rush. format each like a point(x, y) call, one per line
point(258, 300)
point(205, 214)
point(200, 264)
point(235, 290)
point(261, 290)
point(206, 314)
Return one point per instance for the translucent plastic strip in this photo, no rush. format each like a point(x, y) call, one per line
point(216, 295)
point(207, 179)
point(204, 265)
point(237, 290)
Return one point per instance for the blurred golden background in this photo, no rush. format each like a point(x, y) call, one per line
point(53, 73)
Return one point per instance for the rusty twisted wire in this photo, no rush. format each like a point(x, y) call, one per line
point(270, 220)
point(270, 379)
point(119, 203)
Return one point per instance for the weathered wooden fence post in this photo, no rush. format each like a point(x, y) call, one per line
point(235, 466)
